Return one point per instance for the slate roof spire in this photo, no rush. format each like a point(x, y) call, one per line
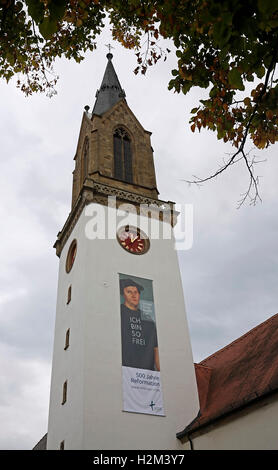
point(110, 91)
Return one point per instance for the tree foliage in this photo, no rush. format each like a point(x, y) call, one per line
point(33, 33)
point(221, 45)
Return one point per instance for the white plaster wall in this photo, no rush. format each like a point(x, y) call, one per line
point(256, 429)
point(93, 418)
point(65, 421)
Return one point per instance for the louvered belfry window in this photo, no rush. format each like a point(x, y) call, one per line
point(122, 156)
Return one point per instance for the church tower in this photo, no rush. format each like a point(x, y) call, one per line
point(122, 374)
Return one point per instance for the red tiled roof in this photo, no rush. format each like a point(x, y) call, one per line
point(237, 374)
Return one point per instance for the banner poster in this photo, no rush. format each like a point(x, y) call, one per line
point(140, 357)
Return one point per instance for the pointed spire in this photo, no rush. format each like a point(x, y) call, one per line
point(110, 91)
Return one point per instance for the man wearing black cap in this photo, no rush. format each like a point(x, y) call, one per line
point(139, 339)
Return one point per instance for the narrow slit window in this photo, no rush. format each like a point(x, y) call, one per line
point(69, 295)
point(127, 160)
point(85, 160)
point(118, 164)
point(67, 339)
point(65, 391)
point(122, 156)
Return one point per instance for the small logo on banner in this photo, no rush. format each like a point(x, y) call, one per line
point(156, 409)
point(152, 404)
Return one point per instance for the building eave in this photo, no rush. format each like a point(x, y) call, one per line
point(195, 426)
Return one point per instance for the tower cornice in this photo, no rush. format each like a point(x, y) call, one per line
point(95, 192)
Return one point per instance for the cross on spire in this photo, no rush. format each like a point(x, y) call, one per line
point(109, 47)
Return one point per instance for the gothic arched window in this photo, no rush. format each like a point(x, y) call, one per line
point(85, 160)
point(122, 156)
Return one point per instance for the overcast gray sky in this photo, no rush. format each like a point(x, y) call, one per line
point(229, 275)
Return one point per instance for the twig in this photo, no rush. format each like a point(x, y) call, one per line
point(253, 181)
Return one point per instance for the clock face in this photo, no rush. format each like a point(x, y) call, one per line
point(133, 240)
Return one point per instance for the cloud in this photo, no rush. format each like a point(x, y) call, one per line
point(24, 396)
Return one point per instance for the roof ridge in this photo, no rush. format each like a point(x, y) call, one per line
point(237, 340)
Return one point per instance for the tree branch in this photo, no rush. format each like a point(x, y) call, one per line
point(254, 181)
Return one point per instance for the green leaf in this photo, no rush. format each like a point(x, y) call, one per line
point(213, 92)
point(174, 84)
point(228, 125)
point(186, 87)
point(10, 58)
point(57, 9)
point(267, 6)
point(260, 72)
point(35, 10)
point(220, 133)
point(48, 28)
point(235, 80)
point(222, 29)
point(171, 84)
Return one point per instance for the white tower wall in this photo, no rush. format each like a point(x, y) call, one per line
point(92, 417)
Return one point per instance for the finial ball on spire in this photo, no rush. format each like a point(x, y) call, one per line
point(109, 55)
